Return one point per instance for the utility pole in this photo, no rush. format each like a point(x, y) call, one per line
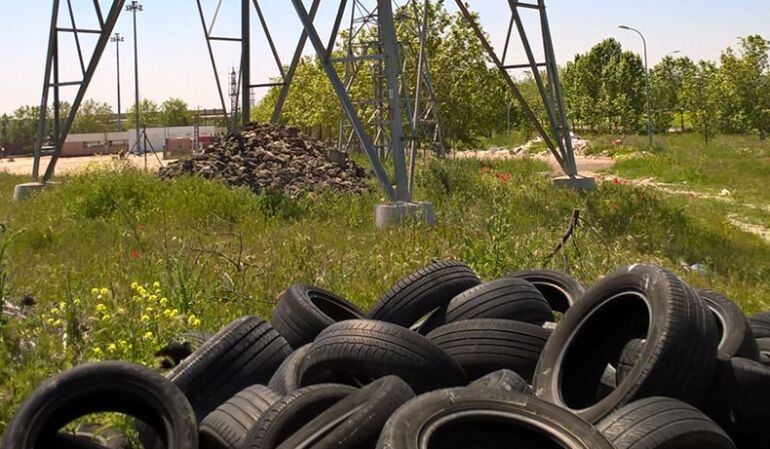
point(245, 62)
point(117, 38)
point(134, 8)
point(647, 81)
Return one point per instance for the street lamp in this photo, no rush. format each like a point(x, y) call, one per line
point(675, 52)
point(135, 7)
point(647, 80)
point(117, 38)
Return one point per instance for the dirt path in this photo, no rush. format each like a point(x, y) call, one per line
point(594, 165)
point(70, 165)
point(587, 166)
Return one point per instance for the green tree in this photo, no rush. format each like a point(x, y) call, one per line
point(92, 117)
point(472, 98)
point(666, 82)
point(604, 89)
point(5, 124)
point(22, 127)
point(175, 112)
point(744, 78)
point(150, 115)
point(702, 98)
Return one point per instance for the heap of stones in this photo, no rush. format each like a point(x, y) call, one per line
point(273, 158)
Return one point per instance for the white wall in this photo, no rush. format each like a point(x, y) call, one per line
point(156, 136)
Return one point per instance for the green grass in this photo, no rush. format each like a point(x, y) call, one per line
point(218, 253)
point(740, 164)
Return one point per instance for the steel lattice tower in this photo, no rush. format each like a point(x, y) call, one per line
point(363, 58)
point(402, 111)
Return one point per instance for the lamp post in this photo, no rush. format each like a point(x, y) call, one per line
point(134, 8)
point(117, 38)
point(647, 80)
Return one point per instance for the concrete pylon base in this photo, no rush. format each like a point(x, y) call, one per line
point(24, 191)
point(575, 182)
point(401, 213)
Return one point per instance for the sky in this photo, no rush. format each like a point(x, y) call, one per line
point(173, 58)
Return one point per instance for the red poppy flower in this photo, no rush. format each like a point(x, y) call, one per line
point(505, 177)
point(484, 170)
point(140, 227)
point(135, 254)
point(616, 181)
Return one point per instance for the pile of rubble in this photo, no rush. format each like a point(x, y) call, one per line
point(273, 158)
point(532, 148)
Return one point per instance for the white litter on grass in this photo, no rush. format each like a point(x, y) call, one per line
point(579, 145)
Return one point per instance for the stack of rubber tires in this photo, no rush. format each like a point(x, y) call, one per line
point(641, 360)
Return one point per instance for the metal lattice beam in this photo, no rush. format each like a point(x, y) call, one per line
point(324, 54)
point(52, 82)
point(559, 139)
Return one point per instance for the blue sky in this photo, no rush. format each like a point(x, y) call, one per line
point(174, 61)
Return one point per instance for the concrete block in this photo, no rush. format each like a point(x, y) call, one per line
point(575, 182)
point(401, 213)
point(24, 191)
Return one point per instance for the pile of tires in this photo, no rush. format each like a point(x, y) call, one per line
point(640, 360)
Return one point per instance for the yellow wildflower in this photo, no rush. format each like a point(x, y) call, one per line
point(148, 336)
point(112, 347)
point(144, 319)
point(101, 307)
point(193, 321)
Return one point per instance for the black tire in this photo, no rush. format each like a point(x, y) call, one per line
point(285, 380)
point(662, 423)
point(103, 387)
point(764, 358)
point(483, 346)
point(631, 353)
point(561, 290)
point(417, 295)
point(303, 311)
point(640, 301)
point(506, 298)
point(65, 440)
point(356, 421)
point(245, 352)
point(505, 380)
point(760, 325)
point(738, 400)
point(291, 413)
point(102, 436)
point(227, 426)
point(736, 337)
point(461, 418)
point(359, 352)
